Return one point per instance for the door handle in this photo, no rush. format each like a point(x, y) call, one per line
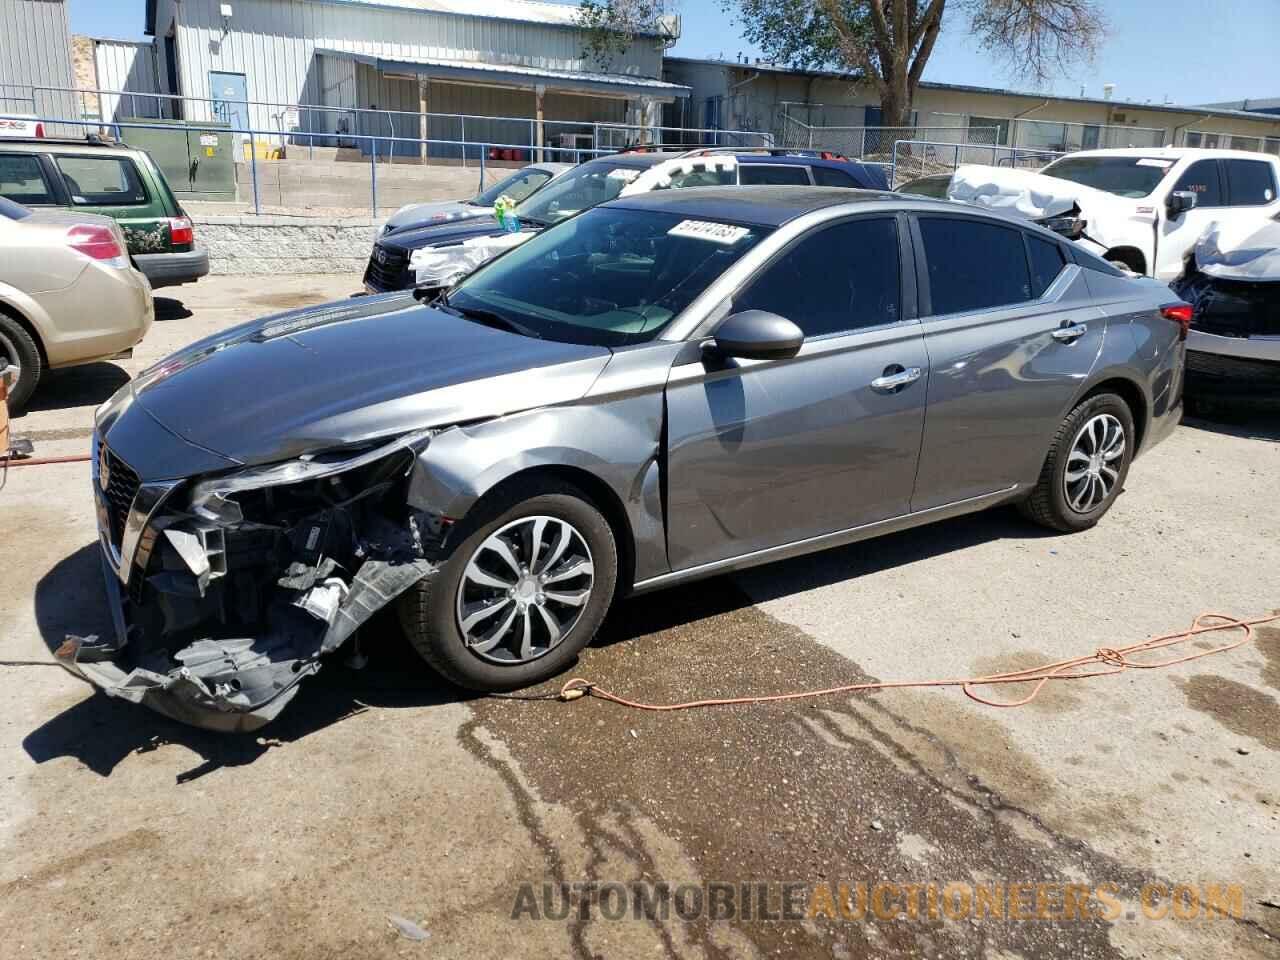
point(891, 382)
point(1070, 333)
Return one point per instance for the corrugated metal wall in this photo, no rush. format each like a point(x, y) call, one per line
point(273, 43)
point(124, 65)
point(35, 49)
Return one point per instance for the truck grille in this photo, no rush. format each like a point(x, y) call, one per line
point(122, 487)
point(389, 273)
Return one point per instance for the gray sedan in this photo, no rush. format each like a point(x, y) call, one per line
point(659, 389)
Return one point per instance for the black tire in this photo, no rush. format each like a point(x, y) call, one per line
point(1048, 504)
point(16, 346)
point(428, 613)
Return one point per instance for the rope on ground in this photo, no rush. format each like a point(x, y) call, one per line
point(1108, 660)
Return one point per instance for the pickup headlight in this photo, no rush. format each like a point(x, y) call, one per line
point(209, 498)
point(1070, 227)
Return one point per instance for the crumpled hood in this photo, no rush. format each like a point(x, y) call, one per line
point(1236, 250)
point(1035, 196)
point(352, 371)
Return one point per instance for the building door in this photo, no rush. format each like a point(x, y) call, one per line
point(230, 95)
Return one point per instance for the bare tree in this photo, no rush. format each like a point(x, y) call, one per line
point(610, 27)
point(889, 42)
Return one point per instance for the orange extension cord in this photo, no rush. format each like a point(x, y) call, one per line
point(1115, 660)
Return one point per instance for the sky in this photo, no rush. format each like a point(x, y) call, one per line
point(1182, 51)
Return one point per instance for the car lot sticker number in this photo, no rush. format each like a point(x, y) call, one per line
point(625, 174)
point(1152, 162)
point(725, 233)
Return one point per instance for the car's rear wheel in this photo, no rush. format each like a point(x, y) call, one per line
point(1086, 467)
point(521, 594)
point(19, 350)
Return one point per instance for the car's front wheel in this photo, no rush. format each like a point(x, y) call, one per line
point(1086, 467)
point(521, 594)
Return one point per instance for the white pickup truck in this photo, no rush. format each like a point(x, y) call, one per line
point(1144, 208)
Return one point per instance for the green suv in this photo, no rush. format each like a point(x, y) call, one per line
point(92, 176)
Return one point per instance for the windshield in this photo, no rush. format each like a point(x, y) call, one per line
point(519, 185)
point(608, 278)
point(580, 188)
point(1124, 176)
point(13, 211)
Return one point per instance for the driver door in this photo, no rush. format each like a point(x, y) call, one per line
point(765, 453)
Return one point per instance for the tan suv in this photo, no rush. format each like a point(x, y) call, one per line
point(68, 294)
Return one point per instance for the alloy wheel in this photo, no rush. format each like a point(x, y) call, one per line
point(1093, 466)
point(524, 589)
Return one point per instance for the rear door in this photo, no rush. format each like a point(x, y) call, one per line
point(111, 184)
point(764, 453)
point(1011, 333)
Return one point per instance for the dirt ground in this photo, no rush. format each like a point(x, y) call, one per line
point(385, 793)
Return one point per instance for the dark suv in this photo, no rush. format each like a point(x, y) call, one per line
point(91, 176)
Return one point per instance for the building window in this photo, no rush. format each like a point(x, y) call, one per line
point(983, 124)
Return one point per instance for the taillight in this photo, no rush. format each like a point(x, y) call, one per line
point(97, 243)
point(1181, 314)
point(181, 232)
point(40, 131)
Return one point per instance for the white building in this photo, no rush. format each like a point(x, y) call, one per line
point(252, 62)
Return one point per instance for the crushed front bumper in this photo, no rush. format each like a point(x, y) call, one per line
point(168, 654)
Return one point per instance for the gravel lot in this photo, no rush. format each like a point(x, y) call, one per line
point(385, 792)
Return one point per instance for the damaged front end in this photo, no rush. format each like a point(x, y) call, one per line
point(227, 590)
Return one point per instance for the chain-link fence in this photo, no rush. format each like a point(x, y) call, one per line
point(912, 159)
point(875, 144)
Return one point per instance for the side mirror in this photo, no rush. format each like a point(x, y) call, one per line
point(1179, 202)
point(758, 335)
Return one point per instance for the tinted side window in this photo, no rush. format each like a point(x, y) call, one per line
point(754, 173)
point(1250, 183)
point(839, 278)
point(1046, 263)
point(701, 178)
point(831, 177)
point(1202, 179)
point(101, 181)
point(22, 180)
point(974, 265)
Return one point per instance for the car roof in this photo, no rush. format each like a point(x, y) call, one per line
point(1169, 153)
point(639, 160)
point(765, 206)
point(60, 144)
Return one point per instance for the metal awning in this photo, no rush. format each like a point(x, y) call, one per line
point(519, 76)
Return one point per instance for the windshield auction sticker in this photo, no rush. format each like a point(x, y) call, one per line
point(725, 233)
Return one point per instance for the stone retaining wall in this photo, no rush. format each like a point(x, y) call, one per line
point(271, 245)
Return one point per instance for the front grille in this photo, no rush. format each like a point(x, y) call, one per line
point(122, 487)
point(392, 273)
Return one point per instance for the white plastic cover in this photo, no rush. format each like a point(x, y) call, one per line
point(442, 266)
point(1023, 192)
point(1234, 251)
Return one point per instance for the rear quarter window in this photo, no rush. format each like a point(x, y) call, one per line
point(102, 181)
point(22, 179)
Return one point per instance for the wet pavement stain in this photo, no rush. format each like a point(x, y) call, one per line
point(1054, 697)
point(830, 790)
point(288, 301)
point(1237, 706)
